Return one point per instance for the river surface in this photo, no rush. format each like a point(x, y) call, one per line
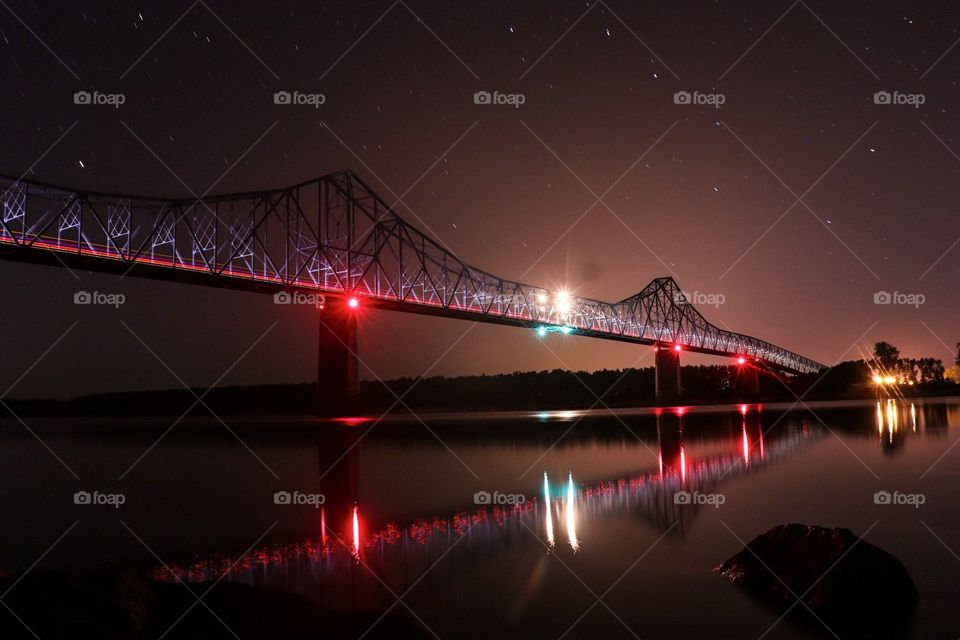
point(533, 525)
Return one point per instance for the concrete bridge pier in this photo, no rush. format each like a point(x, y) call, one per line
point(338, 370)
point(746, 383)
point(667, 367)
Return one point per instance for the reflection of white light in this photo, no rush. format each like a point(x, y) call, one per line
point(746, 446)
point(546, 499)
point(571, 515)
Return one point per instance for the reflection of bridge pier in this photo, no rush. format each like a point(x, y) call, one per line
point(752, 435)
point(338, 379)
point(338, 469)
point(670, 443)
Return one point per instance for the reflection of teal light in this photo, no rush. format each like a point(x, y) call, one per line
point(566, 329)
point(541, 331)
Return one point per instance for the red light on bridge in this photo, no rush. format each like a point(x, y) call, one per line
point(677, 347)
point(353, 303)
point(741, 360)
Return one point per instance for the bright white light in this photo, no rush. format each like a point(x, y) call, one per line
point(541, 298)
point(563, 302)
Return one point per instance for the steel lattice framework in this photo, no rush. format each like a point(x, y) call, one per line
point(333, 235)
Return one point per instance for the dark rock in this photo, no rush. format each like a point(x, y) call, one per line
point(126, 606)
point(854, 587)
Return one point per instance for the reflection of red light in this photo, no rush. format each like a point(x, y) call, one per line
point(743, 409)
point(323, 527)
point(353, 303)
point(356, 532)
point(352, 421)
point(677, 347)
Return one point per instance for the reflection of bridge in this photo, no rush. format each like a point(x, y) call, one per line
point(347, 530)
point(334, 235)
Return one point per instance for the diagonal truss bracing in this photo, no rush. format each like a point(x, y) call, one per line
point(335, 235)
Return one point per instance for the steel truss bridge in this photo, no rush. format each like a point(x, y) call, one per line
point(334, 235)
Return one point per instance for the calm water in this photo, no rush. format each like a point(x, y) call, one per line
point(598, 517)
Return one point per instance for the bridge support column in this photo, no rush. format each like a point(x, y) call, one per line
point(667, 366)
point(338, 379)
point(746, 383)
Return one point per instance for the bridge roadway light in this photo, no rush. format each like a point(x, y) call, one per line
point(741, 360)
point(563, 302)
point(677, 347)
point(353, 303)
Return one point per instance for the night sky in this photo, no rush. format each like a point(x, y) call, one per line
point(795, 202)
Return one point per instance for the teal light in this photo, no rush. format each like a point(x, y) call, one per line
point(541, 331)
point(566, 330)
